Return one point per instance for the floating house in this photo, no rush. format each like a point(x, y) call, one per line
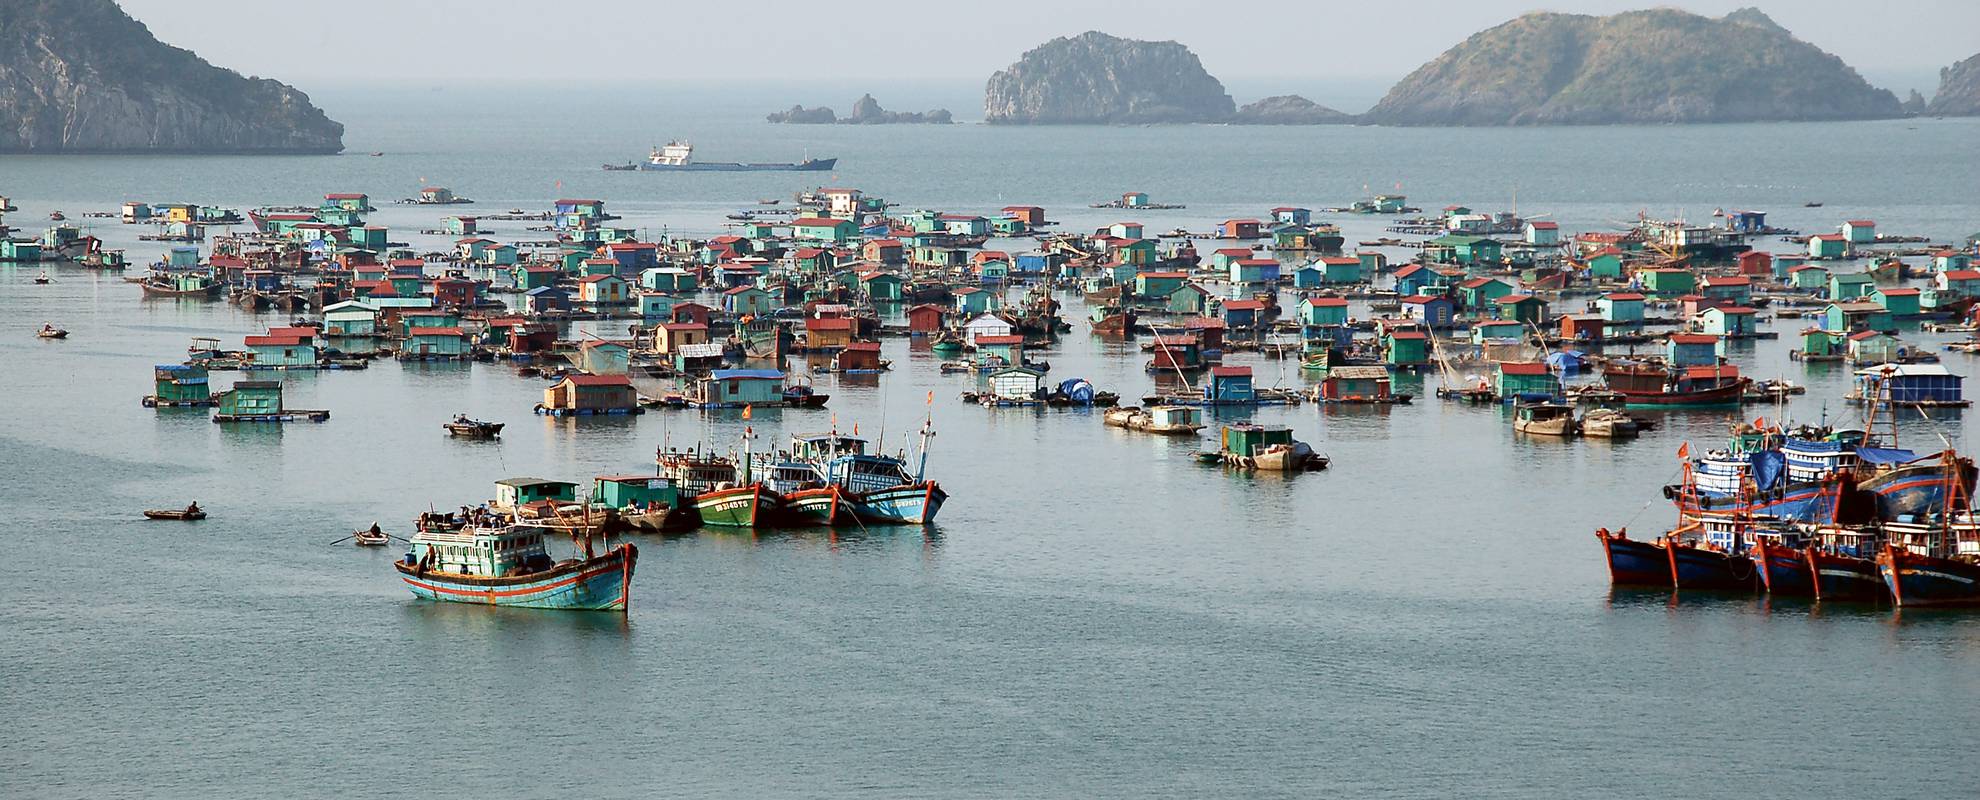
point(1527, 379)
point(1856, 316)
point(1522, 307)
point(747, 301)
point(1899, 302)
point(282, 348)
point(1821, 345)
point(1323, 311)
point(1621, 309)
point(1356, 384)
point(1435, 311)
point(176, 385)
point(601, 357)
point(1014, 382)
point(1828, 245)
point(1692, 349)
point(1239, 229)
point(1407, 348)
point(824, 229)
point(1469, 251)
point(513, 493)
point(1728, 321)
point(604, 290)
point(1911, 385)
point(1668, 283)
point(1860, 231)
point(1873, 347)
point(1543, 233)
point(735, 388)
point(436, 344)
point(1230, 386)
point(587, 395)
point(999, 350)
point(1808, 277)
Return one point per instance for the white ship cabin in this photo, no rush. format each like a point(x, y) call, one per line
point(484, 552)
point(823, 447)
point(514, 493)
point(674, 154)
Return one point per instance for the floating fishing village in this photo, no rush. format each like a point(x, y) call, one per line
point(1593, 334)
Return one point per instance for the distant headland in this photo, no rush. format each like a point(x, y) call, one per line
point(81, 76)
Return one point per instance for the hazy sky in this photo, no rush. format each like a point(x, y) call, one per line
point(759, 40)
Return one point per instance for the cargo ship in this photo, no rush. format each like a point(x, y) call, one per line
point(679, 156)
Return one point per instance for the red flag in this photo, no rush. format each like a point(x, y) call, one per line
point(931, 397)
point(1684, 450)
point(746, 410)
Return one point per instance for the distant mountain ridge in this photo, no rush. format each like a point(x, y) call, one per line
point(1659, 65)
point(81, 76)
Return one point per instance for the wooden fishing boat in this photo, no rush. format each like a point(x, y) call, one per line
point(1544, 419)
point(43, 277)
point(507, 564)
point(203, 287)
point(1262, 447)
point(1165, 420)
point(1607, 423)
point(947, 344)
point(1842, 564)
point(473, 428)
point(823, 505)
point(1783, 567)
point(1921, 579)
point(51, 332)
point(187, 514)
point(371, 538)
point(1655, 385)
point(1710, 555)
point(748, 506)
point(1634, 562)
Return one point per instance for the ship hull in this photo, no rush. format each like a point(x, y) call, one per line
point(1784, 571)
point(599, 584)
point(907, 504)
point(1845, 578)
point(1634, 563)
point(827, 506)
point(1915, 580)
point(742, 507)
point(1916, 489)
point(1814, 501)
point(1727, 395)
point(811, 165)
point(1708, 570)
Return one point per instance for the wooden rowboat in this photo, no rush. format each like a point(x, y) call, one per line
point(175, 513)
point(371, 539)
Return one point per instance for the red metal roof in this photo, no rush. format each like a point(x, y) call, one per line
point(1243, 305)
point(1622, 296)
point(996, 340)
point(601, 278)
point(1721, 371)
point(1331, 302)
point(1230, 372)
point(598, 380)
point(1861, 223)
point(1409, 335)
point(1545, 225)
point(1734, 280)
point(1694, 338)
point(1963, 275)
point(281, 341)
point(864, 346)
point(1897, 292)
point(1523, 368)
point(1164, 275)
point(436, 332)
point(812, 222)
point(1515, 298)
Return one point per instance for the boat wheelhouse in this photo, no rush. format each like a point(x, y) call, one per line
point(505, 564)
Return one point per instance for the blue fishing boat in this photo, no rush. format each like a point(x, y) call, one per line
point(1634, 562)
point(1842, 564)
point(499, 563)
point(879, 487)
point(1933, 564)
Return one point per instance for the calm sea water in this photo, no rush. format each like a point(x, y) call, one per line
point(1094, 615)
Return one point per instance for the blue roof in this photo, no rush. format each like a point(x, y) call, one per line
point(541, 290)
point(726, 374)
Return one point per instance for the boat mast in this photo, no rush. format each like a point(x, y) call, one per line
point(927, 432)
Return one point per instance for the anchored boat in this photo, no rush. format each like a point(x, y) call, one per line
point(679, 156)
point(501, 563)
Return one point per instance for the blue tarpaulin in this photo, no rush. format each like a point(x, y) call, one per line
point(726, 374)
point(1768, 466)
point(1077, 390)
point(1565, 361)
point(1880, 455)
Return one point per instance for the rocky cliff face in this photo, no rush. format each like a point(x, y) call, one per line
point(1289, 109)
point(865, 111)
point(1959, 90)
point(81, 76)
point(1097, 78)
point(1652, 66)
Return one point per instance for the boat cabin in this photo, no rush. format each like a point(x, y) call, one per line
point(512, 493)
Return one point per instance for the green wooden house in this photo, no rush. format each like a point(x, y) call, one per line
point(1849, 285)
point(1466, 250)
point(1522, 307)
point(1821, 345)
point(881, 286)
point(1668, 283)
point(634, 492)
point(1808, 277)
point(250, 399)
point(1527, 378)
point(513, 492)
point(1406, 348)
point(1899, 302)
point(180, 385)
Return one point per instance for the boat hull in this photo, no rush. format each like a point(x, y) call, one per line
point(1697, 568)
point(827, 506)
point(1844, 578)
point(808, 165)
point(1727, 395)
point(1633, 562)
point(1916, 489)
point(1783, 570)
point(907, 504)
point(598, 584)
point(742, 507)
point(1915, 580)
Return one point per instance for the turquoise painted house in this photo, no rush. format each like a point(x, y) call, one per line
point(1668, 283)
point(1733, 321)
point(747, 300)
point(1828, 245)
point(1692, 349)
point(1467, 250)
point(1808, 277)
point(1849, 285)
point(1323, 311)
point(1621, 308)
point(436, 343)
point(1339, 270)
point(971, 301)
point(734, 388)
point(1853, 316)
point(824, 229)
point(1899, 302)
